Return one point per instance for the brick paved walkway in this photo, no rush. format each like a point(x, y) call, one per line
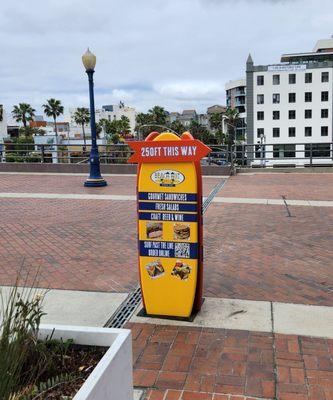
point(79, 245)
point(295, 186)
point(33, 183)
point(251, 251)
point(258, 252)
point(230, 362)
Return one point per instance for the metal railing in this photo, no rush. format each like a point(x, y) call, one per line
point(263, 155)
point(63, 153)
point(238, 155)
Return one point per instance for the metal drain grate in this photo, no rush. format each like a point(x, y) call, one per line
point(211, 195)
point(125, 311)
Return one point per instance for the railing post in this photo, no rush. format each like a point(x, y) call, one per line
point(43, 153)
point(232, 160)
point(243, 154)
point(311, 155)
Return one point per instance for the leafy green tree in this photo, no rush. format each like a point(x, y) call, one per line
point(125, 124)
point(177, 126)
point(82, 117)
point(115, 138)
point(232, 117)
point(141, 120)
point(53, 109)
point(155, 116)
point(220, 137)
point(215, 121)
point(197, 130)
point(29, 132)
point(23, 113)
point(159, 115)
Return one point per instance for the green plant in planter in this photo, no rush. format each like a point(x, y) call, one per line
point(20, 315)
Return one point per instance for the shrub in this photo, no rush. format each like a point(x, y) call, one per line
point(20, 315)
point(13, 157)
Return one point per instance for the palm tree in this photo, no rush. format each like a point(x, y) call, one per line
point(158, 114)
point(82, 117)
point(23, 113)
point(53, 108)
point(232, 117)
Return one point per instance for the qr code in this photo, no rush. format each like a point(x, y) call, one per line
point(182, 250)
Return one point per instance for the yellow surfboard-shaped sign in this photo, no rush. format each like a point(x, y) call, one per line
point(169, 225)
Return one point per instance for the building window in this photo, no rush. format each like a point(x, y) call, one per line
point(291, 131)
point(260, 132)
point(276, 98)
point(260, 115)
point(292, 97)
point(284, 150)
point(324, 76)
point(307, 114)
point(308, 131)
point(324, 113)
point(292, 114)
point(276, 79)
point(308, 97)
point(317, 150)
point(292, 79)
point(260, 99)
point(276, 132)
point(276, 114)
point(289, 151)
point(308, 77)
point(324, 96)
point(278, 150)
point(324, 131)
point(260, 80)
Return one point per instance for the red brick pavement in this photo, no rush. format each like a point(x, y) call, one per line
point(73, 184)
point(296, 186)
point(194, 363)
point(256, 252)
point(78, 244)
point(251, 251)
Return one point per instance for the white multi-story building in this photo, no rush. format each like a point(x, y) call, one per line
point(115, 112)
point(289, 107)
point(108, 112)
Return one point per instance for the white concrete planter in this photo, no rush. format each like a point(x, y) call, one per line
point(112, 379)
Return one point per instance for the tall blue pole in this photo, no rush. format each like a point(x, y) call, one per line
point(95, 178)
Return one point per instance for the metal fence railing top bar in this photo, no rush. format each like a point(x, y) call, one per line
point(238, 155)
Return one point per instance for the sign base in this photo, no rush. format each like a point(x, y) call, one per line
point(142, 313)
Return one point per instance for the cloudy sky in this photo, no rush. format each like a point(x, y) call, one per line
point(174, 53)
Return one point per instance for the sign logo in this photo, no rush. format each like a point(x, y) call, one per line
point(167, 177)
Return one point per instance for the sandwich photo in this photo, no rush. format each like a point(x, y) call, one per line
point(181, 270)
point(154, 230)
point(155, 269)
point(181, 231)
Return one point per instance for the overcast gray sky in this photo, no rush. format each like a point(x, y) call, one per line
point(174, 53)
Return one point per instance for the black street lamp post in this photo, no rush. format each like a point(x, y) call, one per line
point(95, 178)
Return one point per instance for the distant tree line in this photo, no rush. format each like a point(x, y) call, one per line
point(156, 119)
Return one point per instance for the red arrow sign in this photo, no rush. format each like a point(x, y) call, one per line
point(168, 151)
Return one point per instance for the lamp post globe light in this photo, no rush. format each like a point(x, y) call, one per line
point(95, 178)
